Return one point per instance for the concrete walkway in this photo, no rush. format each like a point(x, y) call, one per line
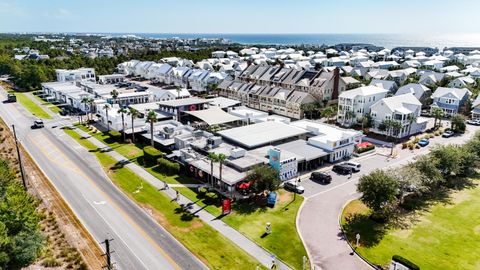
point(262, 255)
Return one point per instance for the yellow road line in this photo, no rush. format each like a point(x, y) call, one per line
point(75, 168)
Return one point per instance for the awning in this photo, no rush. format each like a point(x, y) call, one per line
point(213, 116)
point(244, 185)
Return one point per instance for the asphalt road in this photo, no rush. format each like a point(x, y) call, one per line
point(138, 241)
point(318, 220)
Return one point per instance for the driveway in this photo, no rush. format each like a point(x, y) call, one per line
point(318, 220)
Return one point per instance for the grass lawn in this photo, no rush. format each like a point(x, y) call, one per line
point(198, 237)
point(31, 106)
point(283, 241)
point(27, 103)
point(250, 220)
point(50, 106)
point(447, 236)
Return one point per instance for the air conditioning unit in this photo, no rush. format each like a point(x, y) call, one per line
point(237, 153)
point(214, 141)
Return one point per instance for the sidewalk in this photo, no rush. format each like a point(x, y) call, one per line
point(262, 255)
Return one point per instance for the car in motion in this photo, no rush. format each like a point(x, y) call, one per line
point(342, 169)
point(37, 124)
point(423, 142)
point(448, 133)
point(321, 177)
point(293, 187)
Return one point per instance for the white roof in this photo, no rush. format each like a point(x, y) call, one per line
point(363, 91)
point(413, 88)
point(325, 133)
point(459, 93)
point(182, 102)
point(223, 102)
point(214, 116)
point(261, 133)
point(398, 103)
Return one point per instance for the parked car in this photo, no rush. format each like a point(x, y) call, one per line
point(37, 124)
point(271, 199)
point(354, 165)
point(293, 187)
point(475, 122)
point(423, 142)
point(321, 177)
point(342, 169)
point(448, 133)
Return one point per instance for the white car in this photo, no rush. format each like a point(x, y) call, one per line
point(475, 122)
point(354, 165)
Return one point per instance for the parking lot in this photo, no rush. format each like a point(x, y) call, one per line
point(377, 160)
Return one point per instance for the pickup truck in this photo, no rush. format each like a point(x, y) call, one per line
point(11, 98)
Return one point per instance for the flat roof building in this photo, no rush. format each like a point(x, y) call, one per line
point(261, 134)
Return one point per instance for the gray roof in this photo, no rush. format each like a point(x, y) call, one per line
point(261, 134)
point(302, 148)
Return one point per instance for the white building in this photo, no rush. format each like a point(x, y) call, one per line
point(73, 75)
point(338, 142)
point(354, 104)
point(405, 109)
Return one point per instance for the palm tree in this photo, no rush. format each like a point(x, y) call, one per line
point(437, 113)
point(85, 102)
point(123, 111)
point(392, 128)
point(213, 158)
point(411, 119)
point(329, 112)
point(151, 118)
point(179, 90)
point(133, 114)
point(348, 116)
point(114, 93)
point(90, 102)
point(106, 107)
point(221, 158)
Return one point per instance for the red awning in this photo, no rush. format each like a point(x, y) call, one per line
point(244, 185)
point(363, 145)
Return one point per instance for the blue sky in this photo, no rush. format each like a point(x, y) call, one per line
point(243, 16)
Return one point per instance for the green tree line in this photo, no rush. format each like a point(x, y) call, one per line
point(20, 237)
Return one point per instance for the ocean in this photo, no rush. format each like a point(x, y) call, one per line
point(385, 40)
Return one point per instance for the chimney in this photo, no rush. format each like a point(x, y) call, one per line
point(336, 80)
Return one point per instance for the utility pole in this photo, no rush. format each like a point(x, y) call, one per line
point(108, 253)
point(24, 182)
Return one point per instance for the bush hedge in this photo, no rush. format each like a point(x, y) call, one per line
point(211, 197)
point(365, 149)
point(405, 262)
point(115, 135)
point(151, 155)
point(167, 167)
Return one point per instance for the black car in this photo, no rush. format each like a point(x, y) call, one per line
point(342, 169)
point(321, 177)
point(293, 187)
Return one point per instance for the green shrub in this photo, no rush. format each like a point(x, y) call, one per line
point(115, 135)
point(167, 167)
point(211, 197)
point(151, 155)
point(405, 262)
point(202, 191)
